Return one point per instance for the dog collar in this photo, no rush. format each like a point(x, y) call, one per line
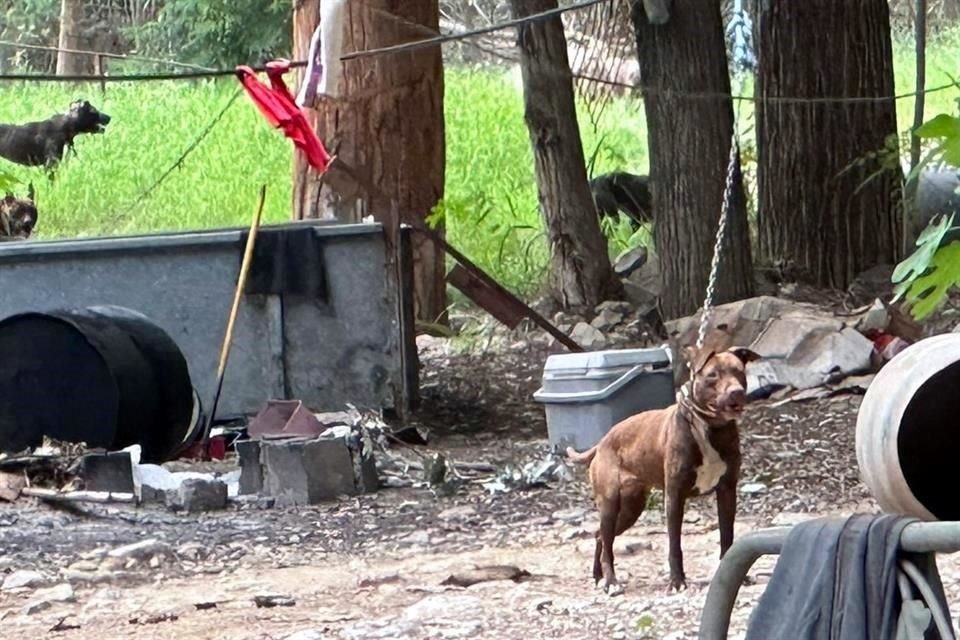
point(686, 402)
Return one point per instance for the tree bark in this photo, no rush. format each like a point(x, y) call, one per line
point(580, 273)
point(817, 216)
point(689, 149)
point(71, 19)
point(387, 127)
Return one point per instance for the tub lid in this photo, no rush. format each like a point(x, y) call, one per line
point(610, 359)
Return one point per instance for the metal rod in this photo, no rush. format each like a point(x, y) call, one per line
point(725, 585)
point(917, 537)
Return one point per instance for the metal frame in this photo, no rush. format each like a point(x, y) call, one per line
point(917, 537)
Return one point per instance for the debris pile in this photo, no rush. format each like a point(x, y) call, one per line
point(804, 347)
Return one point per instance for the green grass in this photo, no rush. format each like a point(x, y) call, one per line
point(491, 199)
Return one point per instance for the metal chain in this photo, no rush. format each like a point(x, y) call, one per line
point(744, 62)
point(721, 234)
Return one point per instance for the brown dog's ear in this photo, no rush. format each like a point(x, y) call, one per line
point(745, 354)
point(697, 359)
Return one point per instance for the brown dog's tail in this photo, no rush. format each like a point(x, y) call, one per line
point(581, 458)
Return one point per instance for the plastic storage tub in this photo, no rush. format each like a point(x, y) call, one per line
point(585, 394)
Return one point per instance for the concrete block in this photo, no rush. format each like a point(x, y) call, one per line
point(199, 494)
point(251, 469)
point(307, 471)
point(111, 472)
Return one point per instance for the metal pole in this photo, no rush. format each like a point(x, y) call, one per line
point(917, 537)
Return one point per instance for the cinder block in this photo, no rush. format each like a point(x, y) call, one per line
point(198, 494)
point(251, 469)
point(306, 471)
point(111, 472)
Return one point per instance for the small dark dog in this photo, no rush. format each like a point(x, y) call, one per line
point(18, 216)
point(689, 449)
point(41, 144)
point(626, 192)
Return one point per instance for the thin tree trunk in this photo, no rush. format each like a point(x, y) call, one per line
point(388, 127)
point(580, 273)
point(71, 18)
point(689, 149)
point(819, 216)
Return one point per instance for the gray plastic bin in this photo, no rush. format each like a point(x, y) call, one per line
point(585, 394)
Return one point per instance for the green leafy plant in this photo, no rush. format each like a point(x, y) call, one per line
point(924, 279)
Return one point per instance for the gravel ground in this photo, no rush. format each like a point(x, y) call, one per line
point(373, 566)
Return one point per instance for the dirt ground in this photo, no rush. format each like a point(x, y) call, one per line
point(373, 566)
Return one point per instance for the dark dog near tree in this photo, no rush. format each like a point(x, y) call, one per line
point(627, 192)
point(18, 216)
point(689, 449)
point(42, 143)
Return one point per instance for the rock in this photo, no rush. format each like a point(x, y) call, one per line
point(570, 516)
point(638, 295)
point(84, 565)
point(564, 318)
point(37, 607)
point(606, 320)
point(789, 519)
point(307, 635)
point(876, 318)
point(588, 337)
point(268, 601)
point(629, 261)
point(155, 483)
point(202, 494)
point(143, 550)
point(60, 593)
point(23, 579)
point(461, 512)
point(437, 609)
point(11, 484)
point(617, 306)
point(753, 488)
point(648, 276)
point(629, 545)
point(94, 577)
point(419, 537)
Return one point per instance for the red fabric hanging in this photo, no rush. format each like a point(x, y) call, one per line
point(281, 110)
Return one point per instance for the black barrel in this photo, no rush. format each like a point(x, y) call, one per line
point(104, 375)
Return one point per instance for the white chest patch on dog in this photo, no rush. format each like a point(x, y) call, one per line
point(711, 469)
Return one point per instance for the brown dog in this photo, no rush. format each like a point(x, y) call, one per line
point(689, 449)
point(18, 216)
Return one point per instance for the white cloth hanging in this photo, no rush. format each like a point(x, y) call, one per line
point(324, 67)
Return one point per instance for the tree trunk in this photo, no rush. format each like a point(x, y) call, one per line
point(71, 19)
point(387, 127)
point(689, 149)
point(580, 273)
point(817, 217)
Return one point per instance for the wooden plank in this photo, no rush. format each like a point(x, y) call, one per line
point(501, 307)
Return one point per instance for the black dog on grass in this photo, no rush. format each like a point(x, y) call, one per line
point(626, 192)
point(42, 144)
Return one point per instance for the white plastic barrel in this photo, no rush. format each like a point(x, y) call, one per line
point(908, 431)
